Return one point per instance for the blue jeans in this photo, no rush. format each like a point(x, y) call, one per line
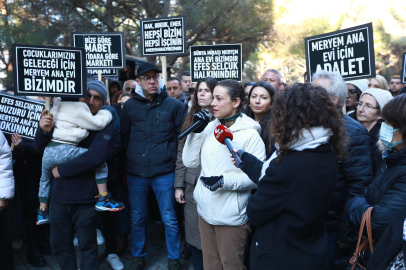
point(165, 194)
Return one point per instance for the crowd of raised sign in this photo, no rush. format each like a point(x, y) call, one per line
point(315, 159)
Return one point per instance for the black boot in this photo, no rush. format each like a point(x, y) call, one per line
point(34, 255)
point(186, 253)
point(139, 263)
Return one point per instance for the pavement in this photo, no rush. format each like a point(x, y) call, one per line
point(155, 245)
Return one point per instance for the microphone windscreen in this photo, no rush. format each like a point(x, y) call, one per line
point(221, 133)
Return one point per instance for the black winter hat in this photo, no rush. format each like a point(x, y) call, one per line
point(146, 67)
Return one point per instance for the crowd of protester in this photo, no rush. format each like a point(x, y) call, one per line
point(315, 157)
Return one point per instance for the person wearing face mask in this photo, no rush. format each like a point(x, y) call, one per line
point(260, 100)
point(186, 178)
point(387, 193)
point(369, 114)
point(222, 190)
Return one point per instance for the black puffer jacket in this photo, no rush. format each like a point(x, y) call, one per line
point(149, 130)
point(387, 194)
point(354, 174)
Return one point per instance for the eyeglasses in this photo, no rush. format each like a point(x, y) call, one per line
point(359, 105)
point(352, 92)
point(147, 79)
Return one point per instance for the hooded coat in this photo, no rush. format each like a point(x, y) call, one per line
point(289, 215)
point(149, 130)
point(226, 205)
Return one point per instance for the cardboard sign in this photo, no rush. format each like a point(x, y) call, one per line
point(217, 61)
point(403, 73)
point(163, 36)
point(103, 50)
point(20, 115)
point(49, 71)
point(349, 52)
point(104, 72)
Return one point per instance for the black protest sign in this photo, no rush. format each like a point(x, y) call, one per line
point(49, 71)
point(104, 72)
point(103, 50)
point(403, 73)
point(20, 115)
point(349, 52)
point(217, 61)
point(163, 36)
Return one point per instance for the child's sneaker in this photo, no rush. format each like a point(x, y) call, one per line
point(107, 203)
point(43, 216)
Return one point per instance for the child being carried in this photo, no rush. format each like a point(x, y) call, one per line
point(72, 122)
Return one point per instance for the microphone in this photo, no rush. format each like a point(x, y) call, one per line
point(193, 127)
point(224, 136)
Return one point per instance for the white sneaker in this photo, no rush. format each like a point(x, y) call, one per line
point(115, 262)
point(75, 241)
point(100, 238)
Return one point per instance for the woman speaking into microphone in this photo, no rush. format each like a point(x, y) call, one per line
point(222, 191)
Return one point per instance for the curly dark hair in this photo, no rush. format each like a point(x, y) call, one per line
point(301, 107)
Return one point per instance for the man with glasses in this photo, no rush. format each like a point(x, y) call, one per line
point(150, 124)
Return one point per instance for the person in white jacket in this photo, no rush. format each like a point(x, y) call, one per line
point(6, 193)
point(72, 122)
point(222, 193)
point(6, 173)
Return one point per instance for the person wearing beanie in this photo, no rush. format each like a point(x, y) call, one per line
point(150, 123)
point(369, 114)
point(75, 140)
point(99, 87)
point(355, 89)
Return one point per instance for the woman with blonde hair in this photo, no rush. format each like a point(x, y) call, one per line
point(378, 82)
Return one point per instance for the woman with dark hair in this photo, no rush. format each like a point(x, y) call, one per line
point(222, 190)
point(260, 99)
point(186, 178)
point(295, 185)
point(387, 193)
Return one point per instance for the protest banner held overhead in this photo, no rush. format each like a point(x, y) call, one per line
point(349, 52)
point(49, 71)
point(403, 73)
point(163, 36)
point(20, 115)
point(103, 50)
point(217, 61)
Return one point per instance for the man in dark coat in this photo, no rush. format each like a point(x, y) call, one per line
point(356, 172)
point(150, 123)
point(73, 190)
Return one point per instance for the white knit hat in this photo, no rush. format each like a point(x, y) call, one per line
point(362, 84)
point(381, 96)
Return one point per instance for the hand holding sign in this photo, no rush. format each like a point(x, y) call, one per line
point(17, 141)
point(47, 122)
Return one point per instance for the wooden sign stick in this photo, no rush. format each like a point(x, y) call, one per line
point(164, 71)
